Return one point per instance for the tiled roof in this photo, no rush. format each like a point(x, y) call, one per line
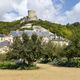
point(39, 33)
point(5, 43)
point(2, 35)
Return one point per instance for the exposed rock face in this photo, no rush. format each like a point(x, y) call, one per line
point(32, 15)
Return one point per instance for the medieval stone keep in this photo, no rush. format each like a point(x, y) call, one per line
point(32, 15)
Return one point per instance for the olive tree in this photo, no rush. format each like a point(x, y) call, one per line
point(26, 48)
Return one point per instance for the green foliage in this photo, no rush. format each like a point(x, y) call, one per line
point(8, 65)
point(28, 49)
point(13, 65)
point(34, 38)
point(15, 49)
point(73, 50)
point(59, 61)
point(31, 48)
point(60, 30)
point(50, 51)
point(68, 31)
point(26, 28)
point(6, 27)
point(2, 57)
point(74, 62)
point(71, 54)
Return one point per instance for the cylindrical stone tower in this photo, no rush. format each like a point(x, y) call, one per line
point(32, 15)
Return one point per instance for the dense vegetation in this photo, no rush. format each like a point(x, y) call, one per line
point(59, 29)
point(31, 50)
point(24, 52)
point(68, 31)
point(6, 27)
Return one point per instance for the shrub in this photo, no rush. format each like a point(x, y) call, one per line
point(13, 65)
point(27, 49)
point(7, 65)
point(59, 61)
point(2, 57)
point(74, 62)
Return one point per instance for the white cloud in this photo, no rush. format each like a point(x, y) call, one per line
point(46, 9)
point(20, 7)
point(74, 14)
point(12, 9)
point(70, 16)
point(62, 1)
point(4, 7)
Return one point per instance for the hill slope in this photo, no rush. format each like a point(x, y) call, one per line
point(68, 31)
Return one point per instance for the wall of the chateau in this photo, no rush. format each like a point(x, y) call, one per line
point(40, 31)
point(6, 38)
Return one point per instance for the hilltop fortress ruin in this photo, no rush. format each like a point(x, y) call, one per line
point(32, 16)
point(29, 29)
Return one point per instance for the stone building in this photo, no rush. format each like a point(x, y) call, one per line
point(32, 15)
point(42, 32)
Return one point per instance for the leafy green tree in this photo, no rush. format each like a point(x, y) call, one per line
point(25, 48)
point(73, 50)
point(15, 49)
point(51, 51)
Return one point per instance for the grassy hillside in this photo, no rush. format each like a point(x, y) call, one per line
point(59, 29)
point(6, 27)
point(68, 31)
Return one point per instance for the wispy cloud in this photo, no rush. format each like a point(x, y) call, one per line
point(70, 16)
point(12, 9)
point(46, 9)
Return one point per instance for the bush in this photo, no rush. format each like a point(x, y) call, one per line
point(7, 65)
point(59, 61)
point(2, 57)
point(74, 62)
point(45, 60)
point(13, 65)
point(28, 49)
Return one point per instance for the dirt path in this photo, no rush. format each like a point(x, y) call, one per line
point(46, 72)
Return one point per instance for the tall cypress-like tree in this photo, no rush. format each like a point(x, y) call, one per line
point(26, 48)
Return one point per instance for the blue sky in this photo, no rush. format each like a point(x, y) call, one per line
point(58, 11)
point(69, 4)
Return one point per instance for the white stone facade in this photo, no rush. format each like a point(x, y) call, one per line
point(26, 26)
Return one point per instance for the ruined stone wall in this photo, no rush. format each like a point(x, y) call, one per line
point(32, 15)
